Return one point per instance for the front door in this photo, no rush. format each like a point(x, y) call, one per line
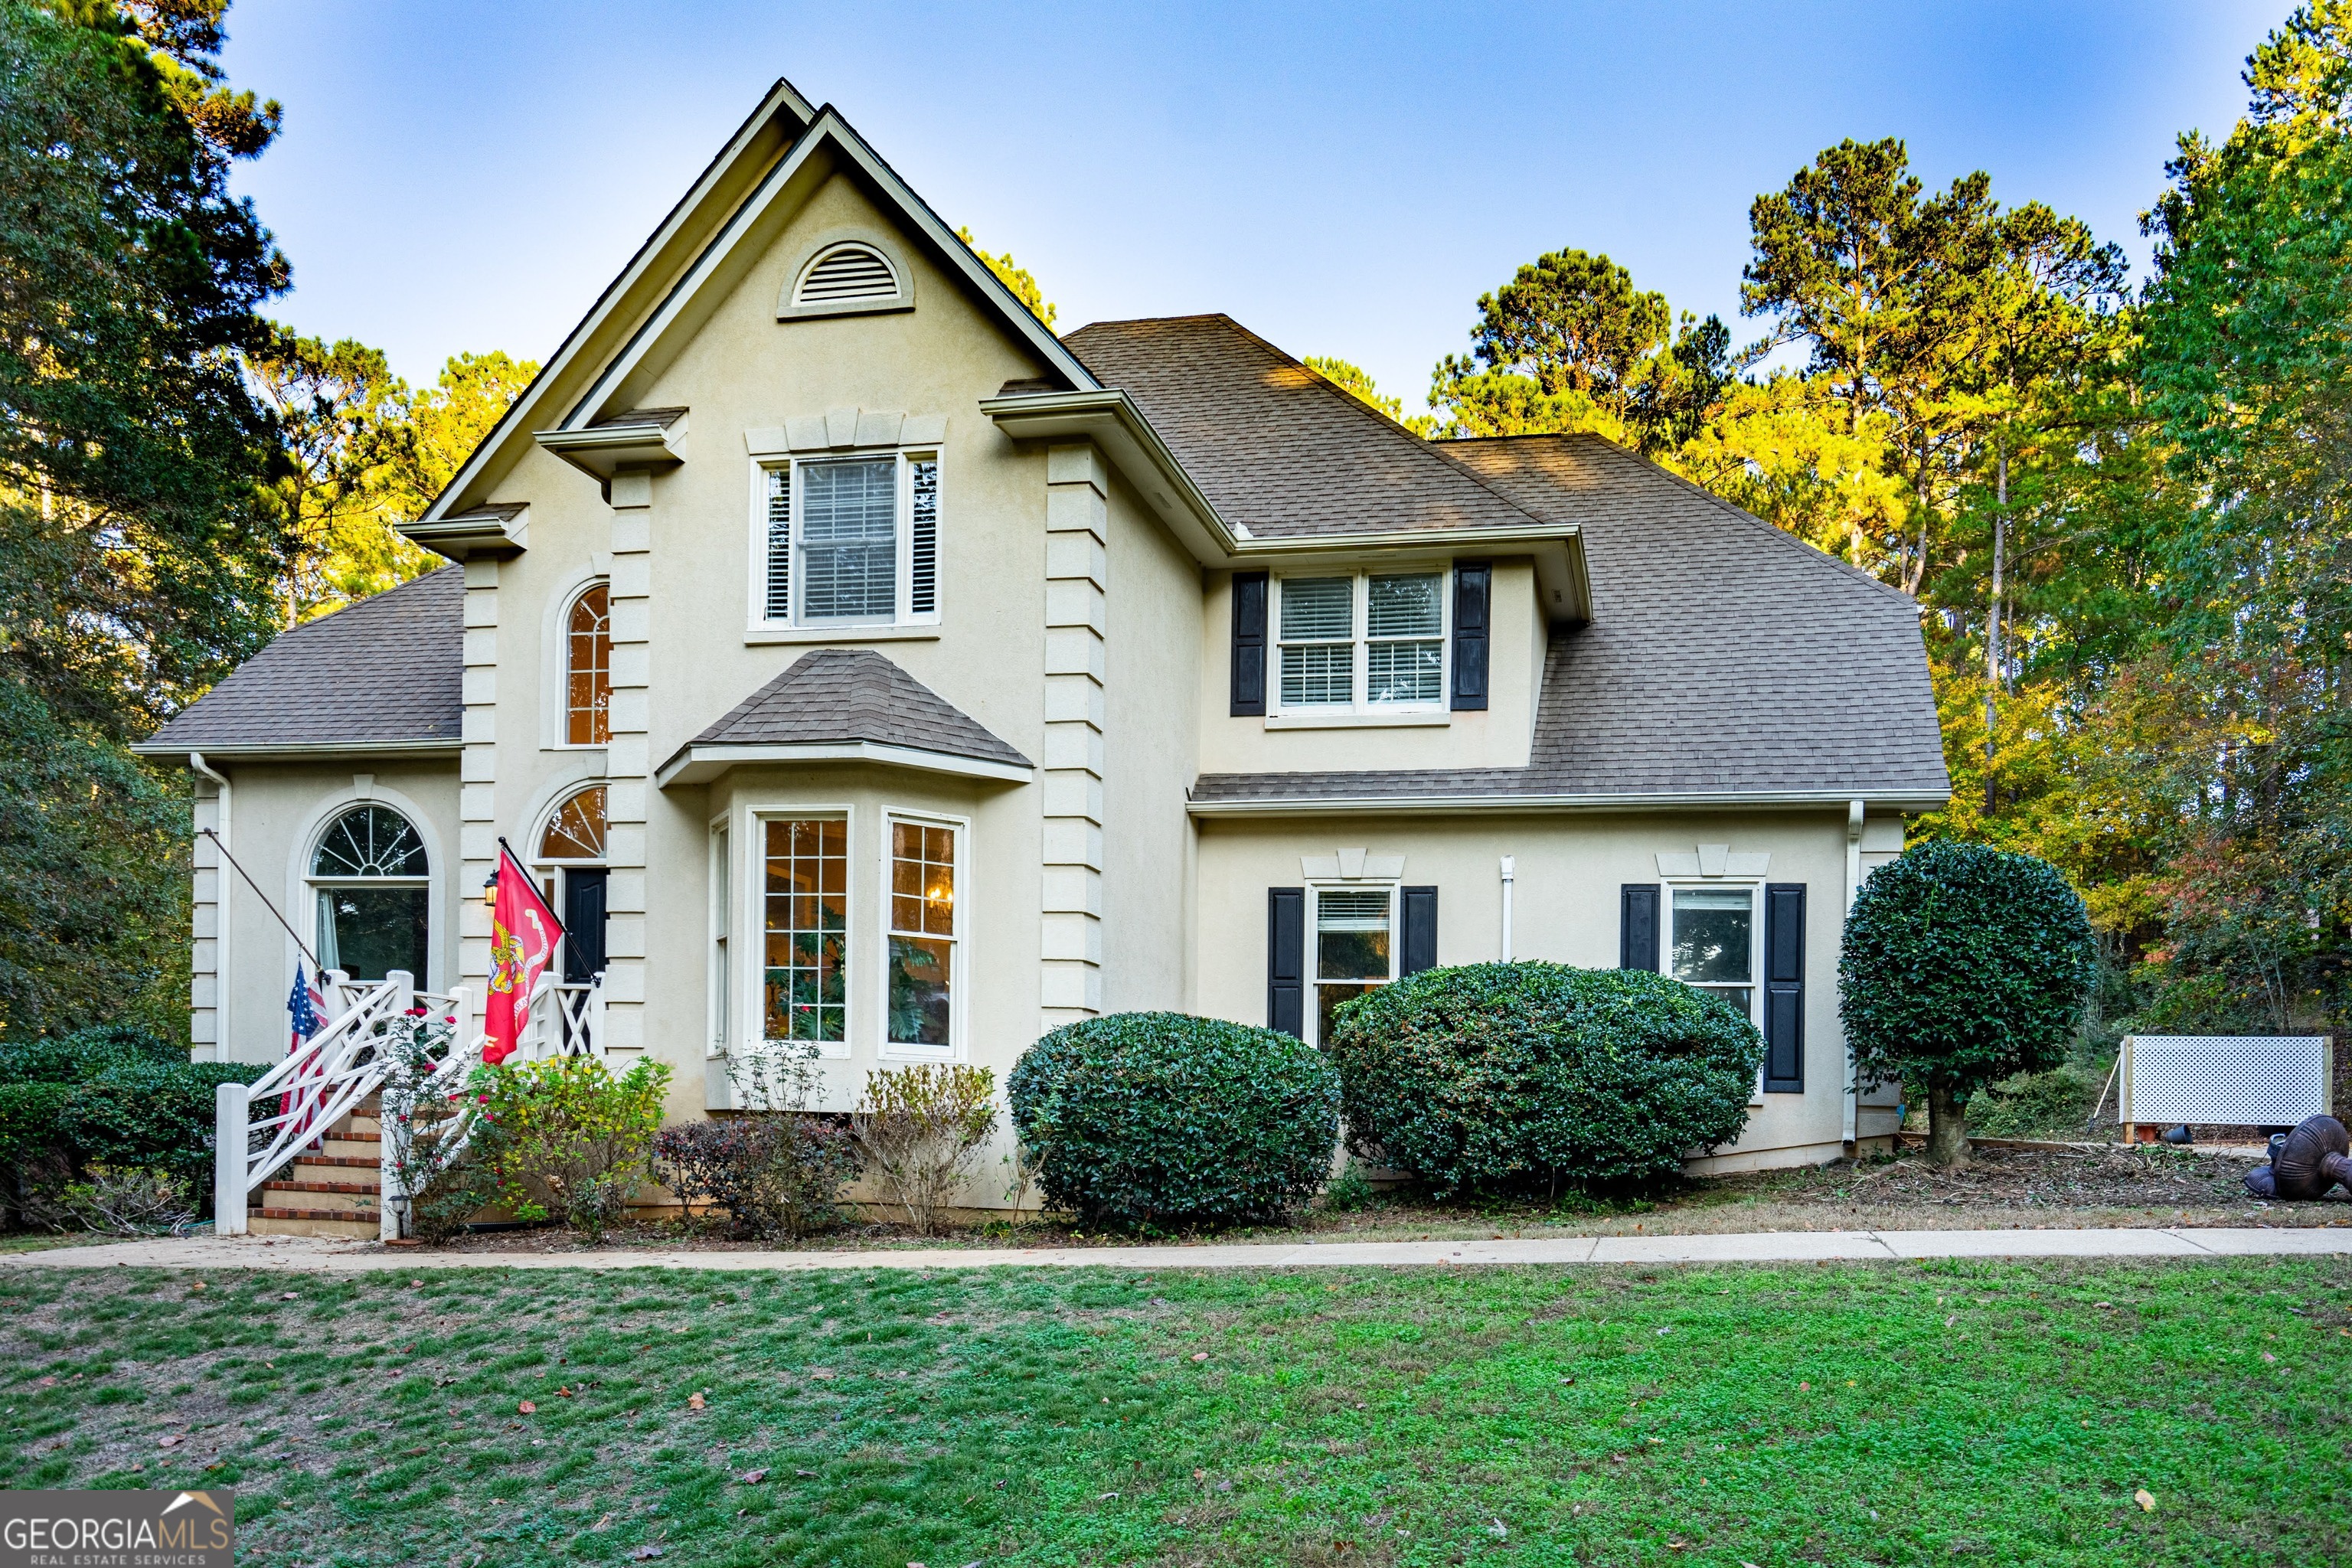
point(583, 924)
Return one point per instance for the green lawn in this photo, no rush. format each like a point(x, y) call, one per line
point(1994, 1414)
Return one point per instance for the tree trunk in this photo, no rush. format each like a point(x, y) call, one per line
point(1948, 1127)
point(1993, 637)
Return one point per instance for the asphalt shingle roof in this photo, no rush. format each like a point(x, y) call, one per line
point(1723, 657)
point(387, 670)
point(1278, 449)
point(855, 694)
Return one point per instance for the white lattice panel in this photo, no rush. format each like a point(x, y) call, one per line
point(2231, 1080)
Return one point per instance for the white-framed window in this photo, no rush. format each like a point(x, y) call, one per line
point(371, 888)
point(925, 974)
point(1360, 642)
point(722, 928)
point(1714, 940)
point(847, 541)
point(588, 667)
point(1354, 933)
point(805, 927)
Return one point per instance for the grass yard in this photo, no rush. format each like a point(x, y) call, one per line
point(1889, 1413)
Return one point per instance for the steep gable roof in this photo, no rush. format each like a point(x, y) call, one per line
point(383, 674)
point(701, 248)
point(1277, 449)
point(1724, 659)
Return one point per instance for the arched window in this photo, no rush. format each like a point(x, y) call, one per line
point(575, 831)
point(588, 643)
point(373, 902)
point(571, 852)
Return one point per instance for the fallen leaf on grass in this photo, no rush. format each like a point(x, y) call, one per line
point(289, 1295)
point(694, 1401)
point(645, 1554)
point(1200, 1355)
point(821, 1372)
point(752, 1477)
point(1499, 1531)
point(527, 1408)
point(562, 1394)
point(195, 1284)
point(601, 1523)
point(1804, 1388)
point(2268, 1356)
point(171, 1441)
point(2146, 1503)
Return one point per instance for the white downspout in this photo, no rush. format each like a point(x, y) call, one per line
point(1852, 886)
point(221, 874)
point(1508, 864)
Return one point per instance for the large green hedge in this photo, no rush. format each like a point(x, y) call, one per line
point(1532, 1077)
point(107, 1096)
point(1163, 1121)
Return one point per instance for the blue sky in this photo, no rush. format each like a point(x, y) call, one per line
point(1343, 179)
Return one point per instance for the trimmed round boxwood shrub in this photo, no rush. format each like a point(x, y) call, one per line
point(1164, 1121)
point(1533, 1077)
point(1962, 964)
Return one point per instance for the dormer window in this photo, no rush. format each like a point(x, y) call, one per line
point(1363, 642)
point(847, 272)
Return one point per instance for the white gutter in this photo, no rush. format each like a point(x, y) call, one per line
point(1508, 864)
point(220, 909)
point(1377, 805)
point(1852, 886)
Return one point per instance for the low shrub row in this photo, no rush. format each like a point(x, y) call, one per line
point(99, 1107)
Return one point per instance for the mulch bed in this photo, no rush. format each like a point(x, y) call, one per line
point(2145, 1176)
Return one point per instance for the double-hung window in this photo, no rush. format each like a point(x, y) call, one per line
point(1712, 944)
point(1365, 642)
point(1355, 947)
point(849, 540)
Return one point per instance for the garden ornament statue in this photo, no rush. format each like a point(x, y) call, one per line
point(2305, 1162)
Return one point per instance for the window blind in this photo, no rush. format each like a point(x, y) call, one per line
point(779, 605)
point(923, 540)
point(849, 524)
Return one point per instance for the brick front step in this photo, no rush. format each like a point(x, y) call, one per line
point(371, 1188)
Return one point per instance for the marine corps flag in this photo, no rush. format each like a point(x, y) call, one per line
point(523, 933)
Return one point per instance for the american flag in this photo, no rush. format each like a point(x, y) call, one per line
point(304, 1003)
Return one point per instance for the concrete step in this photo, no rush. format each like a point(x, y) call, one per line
point(312, 1222)
point(325, 1198)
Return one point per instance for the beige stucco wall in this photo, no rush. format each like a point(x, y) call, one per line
point(1570, 872)
point(278, 811)
point(1499, 737)
point(1153, 664)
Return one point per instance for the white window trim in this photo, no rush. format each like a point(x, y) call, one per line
point(1754, 886)
point(719, 1031)
point(1310, 961)
point(555, 643)
point(1359, 711)
point(440, 921)
point(751, 918)
point(960, 976)
point(904, 623)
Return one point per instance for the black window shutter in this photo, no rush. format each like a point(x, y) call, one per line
point(1419, 931)
point(1471, 581)
point(1249, 643)
point(1784, 988)
point(1286, 961)
point(1637, 927)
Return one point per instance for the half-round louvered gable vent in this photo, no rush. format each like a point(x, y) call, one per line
point(846, 272)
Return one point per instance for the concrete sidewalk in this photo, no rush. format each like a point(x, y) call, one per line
point(305, 1255)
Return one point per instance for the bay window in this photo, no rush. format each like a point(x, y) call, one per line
point(805, 900)
point(923, 936)
point(1360, 642)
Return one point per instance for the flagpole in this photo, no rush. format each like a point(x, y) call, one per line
point(218, 843)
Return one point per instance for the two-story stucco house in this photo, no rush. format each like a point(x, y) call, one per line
point(860, 664)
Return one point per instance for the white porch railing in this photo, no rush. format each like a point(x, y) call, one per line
point(317, 1085)
point(339, 1067)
